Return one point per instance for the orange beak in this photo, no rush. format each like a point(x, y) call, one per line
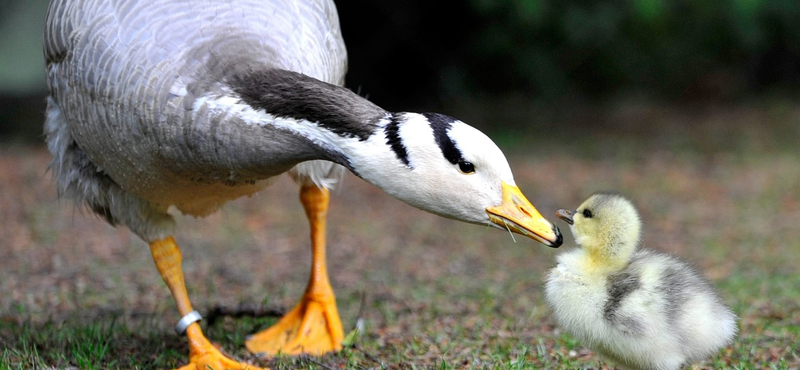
point(518, 215)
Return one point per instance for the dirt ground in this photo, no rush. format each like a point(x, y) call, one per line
point(730, 204)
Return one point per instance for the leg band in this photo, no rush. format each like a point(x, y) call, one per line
point(187, 320)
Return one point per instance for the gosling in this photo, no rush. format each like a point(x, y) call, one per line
point(638, 308)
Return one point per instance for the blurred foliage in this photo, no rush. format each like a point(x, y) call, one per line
point(669, 48)
point(548, 48)
point(21, 62)
point(590, 48)
point(419, 54)
point(22, 80)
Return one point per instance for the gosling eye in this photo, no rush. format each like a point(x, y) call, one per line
point(466, 167)
point(587, 213)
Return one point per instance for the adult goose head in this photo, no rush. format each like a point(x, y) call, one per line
point(431, 161)
point(163, 103)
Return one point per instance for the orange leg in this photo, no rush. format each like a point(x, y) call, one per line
point(313, 325)
point(202, 354)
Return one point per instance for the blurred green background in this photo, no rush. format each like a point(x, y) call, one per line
point(688, 106)
point(555, 54)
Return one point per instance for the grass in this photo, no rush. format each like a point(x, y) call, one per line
point(719, 187)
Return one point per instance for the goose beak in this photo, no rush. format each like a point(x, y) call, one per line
point(518, 215)
point(566, 215)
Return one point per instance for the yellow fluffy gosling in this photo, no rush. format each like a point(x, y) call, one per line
point(639, 308)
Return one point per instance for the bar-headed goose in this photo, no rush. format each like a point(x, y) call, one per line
point(639, 308)
point(191, 104)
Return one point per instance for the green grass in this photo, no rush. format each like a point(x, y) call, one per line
point(721, 190)
point(88, 346)
point(453, 340)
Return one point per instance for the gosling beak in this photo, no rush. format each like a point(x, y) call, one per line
point(517, 214)
point(566, 215)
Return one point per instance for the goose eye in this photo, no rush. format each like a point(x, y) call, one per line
point(466, 167)
point(587, 213)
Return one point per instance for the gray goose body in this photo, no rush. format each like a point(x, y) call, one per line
point(191, 104)
point(131, 119)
